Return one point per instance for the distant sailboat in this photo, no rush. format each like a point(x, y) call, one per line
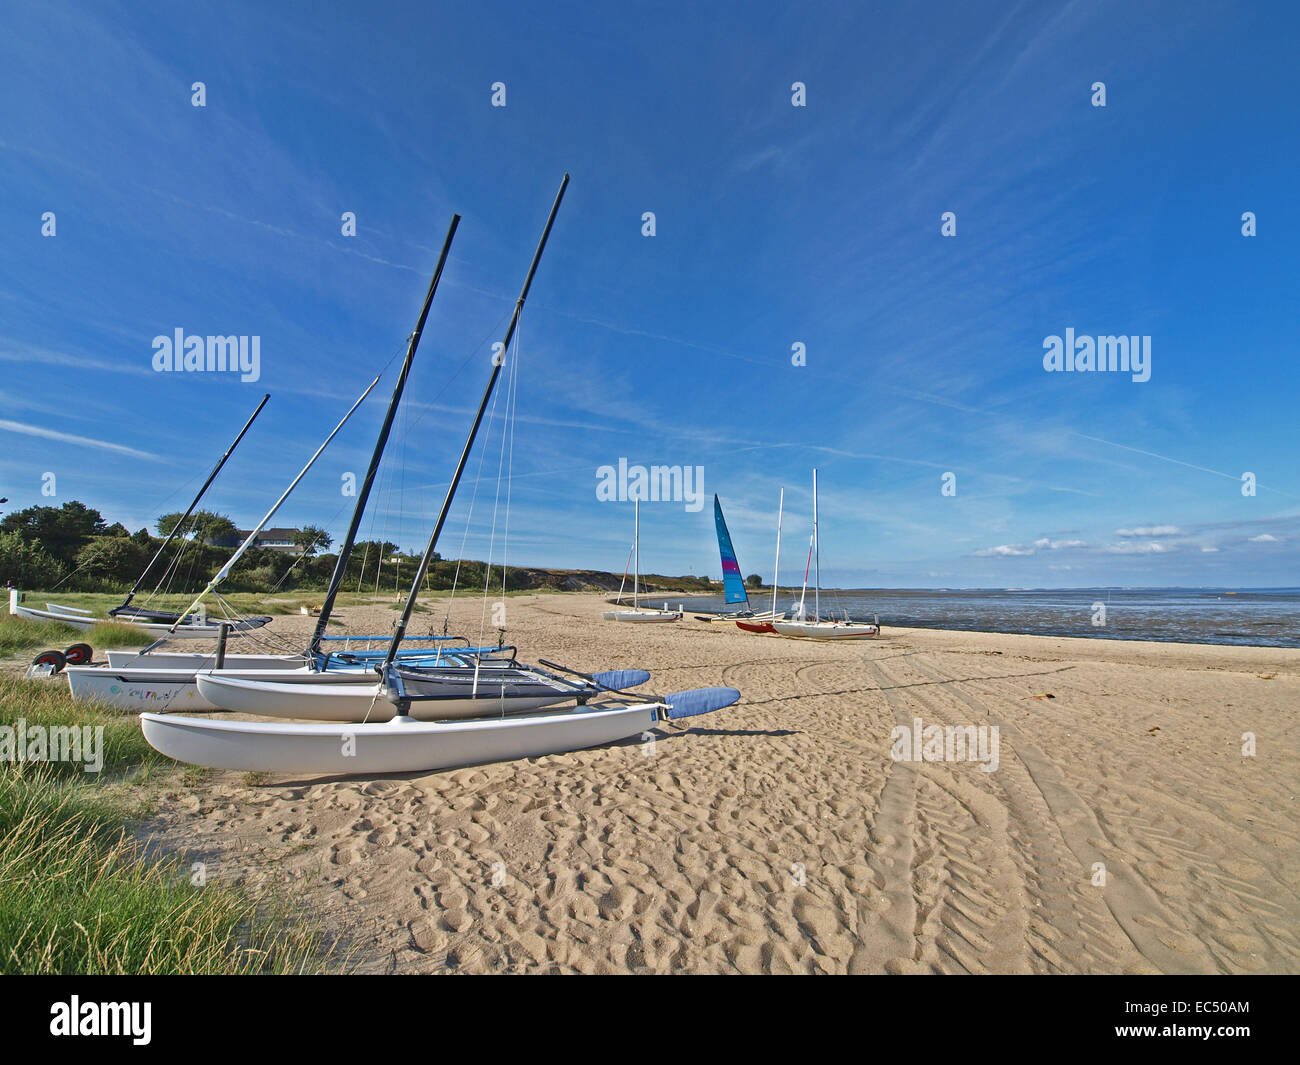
point(764, 623)
point(733, 584)
point(636, 613)
point(818, 629)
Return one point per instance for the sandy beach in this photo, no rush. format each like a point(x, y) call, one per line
point(1122, 830)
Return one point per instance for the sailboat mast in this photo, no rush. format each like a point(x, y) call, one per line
point(225, 570)
point(345, 550)
point(176, 529)
point(636, 548)
point(498, 362)
point(817, 549)
point(780, 508)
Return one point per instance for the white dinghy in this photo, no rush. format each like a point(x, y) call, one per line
point(636, 614)
point(817, 628)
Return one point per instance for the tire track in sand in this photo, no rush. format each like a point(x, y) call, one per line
point(887, 916)
point(1151, 928)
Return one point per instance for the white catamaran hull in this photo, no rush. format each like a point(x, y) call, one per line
point(824, 630)
point(195, 662)
point(136, 690)
point(359, 702)
point(78, 621)
point(166, 690)
point(402, 745)
point(641, 615)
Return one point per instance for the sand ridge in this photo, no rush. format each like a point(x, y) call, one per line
point(779, 835)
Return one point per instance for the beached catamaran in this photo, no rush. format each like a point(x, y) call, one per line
point(158, 680)
point(155, 622)
point(763, 623)
point(636, 614)
point(818, 628)
point(405, 743)
point(733, 584)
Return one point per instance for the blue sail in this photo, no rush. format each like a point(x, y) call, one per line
point(733, 584)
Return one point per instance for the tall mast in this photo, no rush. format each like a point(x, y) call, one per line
point(636, 547)
point(225, 570)
point(803, 592)
point(497, 362)
point(345, 550)
point(817, 548)
point(176, 529)
point(780, 508)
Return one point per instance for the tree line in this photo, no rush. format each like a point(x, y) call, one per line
point(74, 547)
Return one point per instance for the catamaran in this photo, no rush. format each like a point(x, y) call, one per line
point(153, 679)
point(733, 584)
point(764, 623)
point(155, 622)
point(818, 628)
point(405, 743)
point(636, 614)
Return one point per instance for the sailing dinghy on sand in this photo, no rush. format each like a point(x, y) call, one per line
point(764, 623)
point(817, 628)
point(157, 623)
point(636, 614)
point(733, 584)
point(406, 744)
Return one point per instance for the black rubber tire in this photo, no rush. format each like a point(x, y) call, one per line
point(79, 654)
point(52, 658)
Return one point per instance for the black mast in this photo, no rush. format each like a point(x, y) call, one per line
point(345, 550)
point(176, 529)
point(469, 444)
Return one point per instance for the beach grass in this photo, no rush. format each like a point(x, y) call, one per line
point(21, 635)
point(79, 893)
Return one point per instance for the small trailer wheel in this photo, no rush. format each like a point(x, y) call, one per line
point(79, 654)
point(51, 658)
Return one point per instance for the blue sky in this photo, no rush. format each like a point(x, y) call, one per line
point(775, 225)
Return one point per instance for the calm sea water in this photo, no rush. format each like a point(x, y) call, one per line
point(1258, 617)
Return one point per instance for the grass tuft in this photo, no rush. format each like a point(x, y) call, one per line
point(79, 895)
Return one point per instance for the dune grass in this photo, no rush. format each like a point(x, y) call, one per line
point(79, 894)
point(21, 635)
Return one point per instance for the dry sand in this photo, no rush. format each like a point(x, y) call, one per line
point(780, 836)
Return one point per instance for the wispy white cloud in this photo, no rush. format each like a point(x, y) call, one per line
point(1150, 530)
point(70, 438)
point(1003, 551)
point(1130, 548)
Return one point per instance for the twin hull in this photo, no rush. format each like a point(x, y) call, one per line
point(402, 745)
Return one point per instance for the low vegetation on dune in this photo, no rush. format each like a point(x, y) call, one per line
point(21, 635)
point(78, 892)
